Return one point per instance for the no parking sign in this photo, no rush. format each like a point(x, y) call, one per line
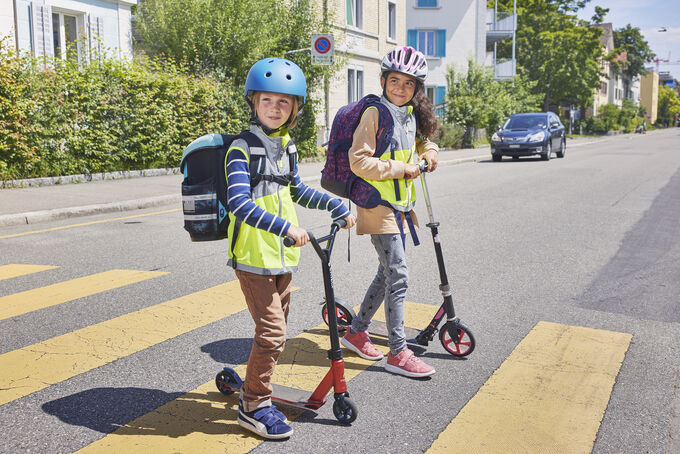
point(322, 49)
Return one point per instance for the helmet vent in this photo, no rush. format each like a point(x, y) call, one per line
point(288, 77)
point(269, 74)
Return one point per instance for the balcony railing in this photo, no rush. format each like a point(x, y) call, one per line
point(503, 68)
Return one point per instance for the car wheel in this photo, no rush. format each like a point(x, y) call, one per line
point(547, 152)
point(563, 149)
point(497, 157)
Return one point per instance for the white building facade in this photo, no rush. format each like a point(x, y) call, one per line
point(68, 28)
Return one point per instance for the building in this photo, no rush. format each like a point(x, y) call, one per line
point(450, 33)
point(363, 32)
point(649, 95)
point(68, 28)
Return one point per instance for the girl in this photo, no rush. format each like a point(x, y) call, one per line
point(261, 215)
point(404, 70)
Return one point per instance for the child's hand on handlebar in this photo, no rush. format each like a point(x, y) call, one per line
point(298, 234)
point(411, 171)
point(432, 159)
point(350, 220)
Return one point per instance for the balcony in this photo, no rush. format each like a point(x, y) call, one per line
point(499, 25)
point(502, 68)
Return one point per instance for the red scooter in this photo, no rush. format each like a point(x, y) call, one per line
point(455, 336)
point(344, 409)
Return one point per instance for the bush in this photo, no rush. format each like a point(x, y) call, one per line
point(106, 115)
point(450, 136)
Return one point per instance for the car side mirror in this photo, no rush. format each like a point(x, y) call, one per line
point(498, 128)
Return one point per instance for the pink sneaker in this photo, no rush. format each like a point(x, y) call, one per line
point(361, 344)
point(406, 363)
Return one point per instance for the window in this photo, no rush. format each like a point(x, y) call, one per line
point(64, 35)
point(432, 43)
point(427, 3)
point(355, 85)
point(355, 15)
point(603, 88)
point(391, 21)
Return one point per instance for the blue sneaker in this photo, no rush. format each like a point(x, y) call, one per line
point(266, 422)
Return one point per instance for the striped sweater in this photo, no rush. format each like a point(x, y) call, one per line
point(242, 206)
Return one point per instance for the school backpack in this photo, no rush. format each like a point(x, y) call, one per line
point(336, 176)
point(204, 188)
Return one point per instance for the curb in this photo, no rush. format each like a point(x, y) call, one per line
point(35, 217)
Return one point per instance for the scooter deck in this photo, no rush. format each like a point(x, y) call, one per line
point(379, 328)
point(294, 397)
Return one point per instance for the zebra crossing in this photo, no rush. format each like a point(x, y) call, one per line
point(548, 395)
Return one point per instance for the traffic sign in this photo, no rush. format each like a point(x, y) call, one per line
point(322, 49)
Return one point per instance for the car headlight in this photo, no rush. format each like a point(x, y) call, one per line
point(538, 137)
point(495, 137)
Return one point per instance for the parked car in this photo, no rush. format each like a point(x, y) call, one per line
point(529, 134)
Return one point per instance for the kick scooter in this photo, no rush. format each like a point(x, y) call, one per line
point(344, 409)
point(455, 336)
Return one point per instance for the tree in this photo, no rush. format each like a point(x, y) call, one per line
point(225, 37)
point(598, 17)
point(631, 41)
point(669, 106)
point(474, 100)
point(557, 50)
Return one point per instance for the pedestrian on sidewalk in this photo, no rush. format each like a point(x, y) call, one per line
point(260, 218)
point(404, 70)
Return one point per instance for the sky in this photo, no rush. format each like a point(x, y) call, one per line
point(649, 16)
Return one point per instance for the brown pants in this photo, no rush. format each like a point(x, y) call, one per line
point(268, 299)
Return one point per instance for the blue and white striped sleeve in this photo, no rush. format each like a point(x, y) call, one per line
point(238, 196)
point(311, 198)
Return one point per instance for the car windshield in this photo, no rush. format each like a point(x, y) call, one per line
point(526, 122)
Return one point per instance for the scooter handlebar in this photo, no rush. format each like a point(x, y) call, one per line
point(423, 166)
point(288, 241)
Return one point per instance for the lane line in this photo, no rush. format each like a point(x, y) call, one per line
point(16, 270)
point(204, 420)
point(549, 395)
point(35, 367)
point(62, 292)
point(83, 224)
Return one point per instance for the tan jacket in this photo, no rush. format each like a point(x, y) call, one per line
point(381, 218)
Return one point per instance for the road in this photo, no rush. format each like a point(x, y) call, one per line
point(566, 271)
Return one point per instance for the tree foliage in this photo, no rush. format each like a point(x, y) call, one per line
point(668, 107)
point(629, 39)
point(225, 37)
point(475, 100)
point(557, 50)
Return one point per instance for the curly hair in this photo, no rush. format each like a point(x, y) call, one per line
point(423, 109)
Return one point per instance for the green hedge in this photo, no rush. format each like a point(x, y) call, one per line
point(106, 115)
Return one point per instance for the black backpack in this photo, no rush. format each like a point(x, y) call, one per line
point(204, 188)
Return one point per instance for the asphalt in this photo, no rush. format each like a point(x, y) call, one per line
point(63, 198)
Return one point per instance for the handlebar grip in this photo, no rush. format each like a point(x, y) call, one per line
point(288, 241)
point(341, 223)
point(423, 166)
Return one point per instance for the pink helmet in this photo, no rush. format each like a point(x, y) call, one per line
point(405, 60)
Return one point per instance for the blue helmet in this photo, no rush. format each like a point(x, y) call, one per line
point(277, 75)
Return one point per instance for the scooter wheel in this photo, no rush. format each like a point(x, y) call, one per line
point(344, 315)
point(457, 339)
point(226, 382)
point(345, 410)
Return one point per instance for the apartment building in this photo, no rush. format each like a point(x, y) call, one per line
point(67, 28)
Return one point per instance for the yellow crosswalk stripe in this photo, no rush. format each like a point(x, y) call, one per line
point(16, 270)
point(203, 420)
point(30, 369)
point(51, 295)
point(549, 395)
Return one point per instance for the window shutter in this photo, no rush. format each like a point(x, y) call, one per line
point(42, 30)
point(412, 38)
point(441, 94)
point(441, 43)
point(350, 16)
point(24, 32)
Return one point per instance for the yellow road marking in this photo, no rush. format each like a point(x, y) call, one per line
point(35, 367)
point(51, 295)
point(14, 235)
point(16, 270)
point(549, 395)
point(204, 420)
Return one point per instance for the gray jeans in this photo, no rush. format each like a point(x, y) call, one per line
point(389, 284)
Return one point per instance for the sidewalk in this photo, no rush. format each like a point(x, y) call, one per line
point(32, 205)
